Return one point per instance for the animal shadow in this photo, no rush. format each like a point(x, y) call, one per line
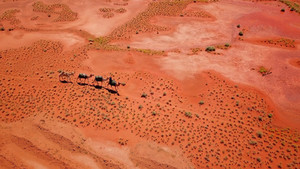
point(64, 81)
point(82, 84)
point(112, 91)
point(97, 87)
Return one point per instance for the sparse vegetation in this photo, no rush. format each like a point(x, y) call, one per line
point(188, 114)
point(210, 49)
point(252, 142)
point(144, 95)
point(259, 134)
point(241, 33)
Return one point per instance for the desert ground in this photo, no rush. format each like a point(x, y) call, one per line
point(202, 84)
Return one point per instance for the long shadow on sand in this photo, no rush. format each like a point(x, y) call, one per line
point(82, 84)
point(64, 81)
point(109, 90)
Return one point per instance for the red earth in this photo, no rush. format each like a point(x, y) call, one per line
point(177, 106)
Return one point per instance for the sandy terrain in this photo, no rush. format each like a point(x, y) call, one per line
point(177, 105)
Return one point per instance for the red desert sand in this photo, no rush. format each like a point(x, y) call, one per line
point(194, 84)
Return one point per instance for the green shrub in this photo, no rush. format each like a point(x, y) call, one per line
point(282, 10)
point(201, 102)
point(210, 49)
point(153, 113)
point(188, 114)
point(262, 69)
point(258, 159)
point(227, 45)
point(2, 29)
point(144, 95)
point(252, 142)
point(270, 115)
point(238, 26)
point(241, 33)
point(259, 134)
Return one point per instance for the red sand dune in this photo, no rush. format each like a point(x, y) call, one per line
point(177, 106)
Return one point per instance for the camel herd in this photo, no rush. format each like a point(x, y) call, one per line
point(84, 79)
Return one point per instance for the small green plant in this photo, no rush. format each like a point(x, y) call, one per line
point(140, 106)
point(241, 33)
point(259, 134)
point(210, 49)
point(2, 29)
point(238, 26)
point(260, 118)
point(262, 70)
point(164, 94)
point(258, 159)
point(201, 102)
point(227, 45)
point(282, 10)
point(252, 142)
point(153, 113)
point(188, 114)
point(144, 95)
point(270, 115)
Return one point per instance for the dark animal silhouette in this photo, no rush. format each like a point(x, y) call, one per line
point(112, 83)
point(64, 75)
point(99, 79)
point(85, 78)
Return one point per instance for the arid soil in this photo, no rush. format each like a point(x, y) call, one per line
point(178, 104)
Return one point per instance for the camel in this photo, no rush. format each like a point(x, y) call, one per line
point(85, 77)
point(114, 83)
point(64, 75)
point(99, 79)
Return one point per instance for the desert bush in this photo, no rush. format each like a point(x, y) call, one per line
point(238, 26)
point(188, 114)
point(201, 102)
point(227, 45)
point(259, 134)
point(153, 113)
point(120, 10)
point(210, 49)
point(2, 29)
point(144, 95)
point(241, 33)
point(270, 115)
point(252, 142)
point(258, 159)
point(282, 10)
point(106, 9)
